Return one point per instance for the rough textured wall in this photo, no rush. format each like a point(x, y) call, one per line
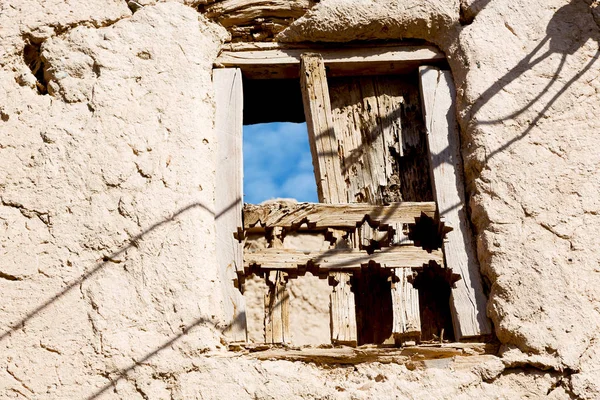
point(106, 188)
point(107, 266)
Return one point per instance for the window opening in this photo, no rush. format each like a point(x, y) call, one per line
point(380, 141)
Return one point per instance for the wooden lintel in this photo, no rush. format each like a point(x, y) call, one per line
point(340, 259)
point(348, 216)
point(468, 301)
point(284, 63)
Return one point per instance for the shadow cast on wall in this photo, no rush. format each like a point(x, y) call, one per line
point(132, 242)
point(565, 34)
point(569, 29)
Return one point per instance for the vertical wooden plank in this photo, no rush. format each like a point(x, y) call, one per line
point(405, 300)
point(341, 300)
point(322, 139)
point(343, 315)
point(468, 302)
point(413, 165)
point(331, 186)
point(368, 115)
point(277, 330)
point(364, 143)
point(227, 83)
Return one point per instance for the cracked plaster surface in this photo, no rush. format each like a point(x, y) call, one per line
point(106, 186)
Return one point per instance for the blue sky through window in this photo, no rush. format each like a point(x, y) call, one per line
point(278, 163)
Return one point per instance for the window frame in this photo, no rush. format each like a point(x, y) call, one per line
point(279, 61)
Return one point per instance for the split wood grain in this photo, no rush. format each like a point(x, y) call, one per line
point(228, 195)
point(340, 259)
point(323, 143)
point(342, 312)
point(468, 302)
point(254, 20)
point(415, 356)
point(241, 12)
point(366, 116)
point(369, 114)
point(405, 302)
point(277, 322)
point(315, 215)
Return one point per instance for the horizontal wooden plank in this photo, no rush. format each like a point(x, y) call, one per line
point(316, 215)
point(241, 46)
point(280, 63)
point(340, 259)
point(457, 352)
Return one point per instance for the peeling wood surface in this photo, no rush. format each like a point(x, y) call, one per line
point(374, 124)
point(468, 301)
point(228, 194)
point(267, 62)
point(381, 138)
point(340, 259)
point(315, 215)
point(368, 132)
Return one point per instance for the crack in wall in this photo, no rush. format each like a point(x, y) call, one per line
point(44, 216)
point(16, 378)
point(9, 277)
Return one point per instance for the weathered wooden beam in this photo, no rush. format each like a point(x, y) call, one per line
point(240, 12)
point(405, 303)
point(340, 259)
point(416, 356)
point(342, 313)
point(468, 302)
point(254, 20)
point(227, 85)
point(258, 62)
point(367, 120)
point(323, 143)
point(277, 321)
point(315, 215)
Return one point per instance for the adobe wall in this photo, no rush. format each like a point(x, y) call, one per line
point(107, 264)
